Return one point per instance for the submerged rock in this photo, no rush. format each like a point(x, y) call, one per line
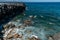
point(56, 36)
point(27, 22)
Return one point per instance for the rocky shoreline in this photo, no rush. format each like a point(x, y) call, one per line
point(24, 30)
point(11, 31)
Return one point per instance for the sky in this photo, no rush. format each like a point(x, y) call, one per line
point(33, 0)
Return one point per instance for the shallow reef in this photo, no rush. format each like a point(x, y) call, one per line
point(32, 27)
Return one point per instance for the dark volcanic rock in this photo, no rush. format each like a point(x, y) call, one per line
point(9, 10)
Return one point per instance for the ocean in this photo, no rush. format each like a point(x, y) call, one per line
point(46, 12)
point(47, 17)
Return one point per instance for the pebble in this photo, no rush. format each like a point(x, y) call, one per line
point(27, 22)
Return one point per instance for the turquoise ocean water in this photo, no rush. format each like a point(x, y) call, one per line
point(48, 17)
point(48, 14)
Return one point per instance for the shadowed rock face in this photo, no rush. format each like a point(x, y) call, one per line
point(9, 10)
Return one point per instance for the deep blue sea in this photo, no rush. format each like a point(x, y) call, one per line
point(44, 7)
point(47, 16)
point(49, 10)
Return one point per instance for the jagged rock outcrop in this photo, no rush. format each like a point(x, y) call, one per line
point(9, 10)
